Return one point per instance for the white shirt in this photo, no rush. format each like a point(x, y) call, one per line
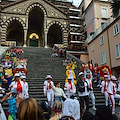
point(118, 85)
point(112, 88)
point(71, 107)
point(25, 91)
point(58, 91)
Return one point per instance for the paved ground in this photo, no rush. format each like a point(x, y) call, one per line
point(117, 110)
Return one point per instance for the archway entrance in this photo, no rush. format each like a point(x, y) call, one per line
point(15, 33)
point(54, 35)
point(36, 25)
point(34, 38)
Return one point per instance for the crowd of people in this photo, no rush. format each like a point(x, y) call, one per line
point(13, 72)
point(69, 103)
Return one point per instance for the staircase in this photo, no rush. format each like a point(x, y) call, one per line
point(40, 64)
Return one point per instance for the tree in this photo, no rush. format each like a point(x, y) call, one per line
point(115, 6)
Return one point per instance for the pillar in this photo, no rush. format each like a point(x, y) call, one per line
point(25, 38)
point(46, 39)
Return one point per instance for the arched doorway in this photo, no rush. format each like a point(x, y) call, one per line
point(15, 32)
point(36, 25)
point(34, 38)
point(54, 35)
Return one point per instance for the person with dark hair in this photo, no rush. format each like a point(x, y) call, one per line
point(88, 116)
point(104, 113)
point(59, 93)
point(83, 92)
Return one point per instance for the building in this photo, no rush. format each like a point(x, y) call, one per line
point(95, 14)
point(41, 23)
point(105, 47)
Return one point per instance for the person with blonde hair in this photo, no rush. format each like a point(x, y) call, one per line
point(29, 110)
point(56, 111)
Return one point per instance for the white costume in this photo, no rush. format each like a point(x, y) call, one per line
point(2, 114)
point(104, 88)
point(91, 93)
point(25, 91)
point(71, 107)
point(118, 85)
point(70, 89)
point(112, 88)
point(49, 92)
point(14, 85)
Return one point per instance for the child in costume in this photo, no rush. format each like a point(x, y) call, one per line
point(74, 63)
point(25, 85)
point(69, 88)
point(1, 76)
point(48, 90)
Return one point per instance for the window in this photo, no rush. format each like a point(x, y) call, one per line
point(104, 12)
point(118, 50)
point(92, 48)
point(116, 29)
point(103, 59)
point(101, 40)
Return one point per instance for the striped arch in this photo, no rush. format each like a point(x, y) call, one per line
point(56, 22)
point(2, 22)
point(63, 29)
point(8, 21)
point(36, 5)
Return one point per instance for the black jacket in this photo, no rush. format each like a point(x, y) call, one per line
point(80, 84)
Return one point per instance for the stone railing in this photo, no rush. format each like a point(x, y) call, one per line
point(3, 54)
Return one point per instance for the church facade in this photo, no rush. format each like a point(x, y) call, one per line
point(37, 23)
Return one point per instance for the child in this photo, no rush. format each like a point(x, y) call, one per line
point(59, 93)
point(25, 85)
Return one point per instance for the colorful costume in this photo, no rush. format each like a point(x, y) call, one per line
point(70, 73)
point(1, 76)
point(105, 70)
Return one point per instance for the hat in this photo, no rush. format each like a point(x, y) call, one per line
point(105, 76)
point(113, 78)
point(17, 75)
point(87, 74)
point(6, 74)
point(69, 78)
point(49, 77)
point(81, 73)
point(23, 77)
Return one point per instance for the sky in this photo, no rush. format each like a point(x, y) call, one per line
point(77, 2)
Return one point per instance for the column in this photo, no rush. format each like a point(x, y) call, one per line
point(25, 38)
point(46, 39)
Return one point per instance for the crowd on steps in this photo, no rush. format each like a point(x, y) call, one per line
point(68, 103)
